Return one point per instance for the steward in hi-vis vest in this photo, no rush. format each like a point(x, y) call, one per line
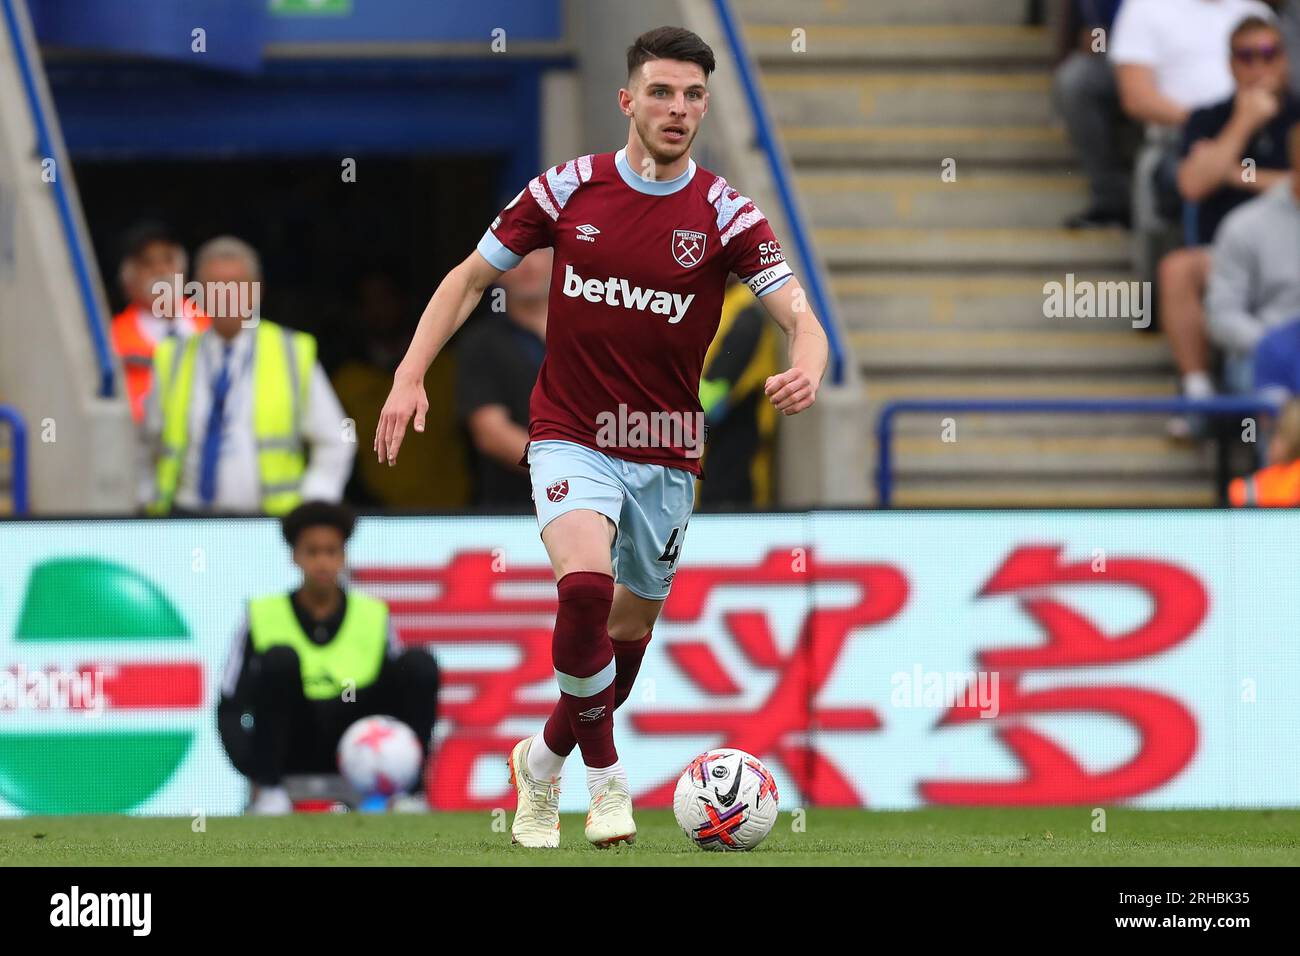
point(307, 664)
point(282, 364)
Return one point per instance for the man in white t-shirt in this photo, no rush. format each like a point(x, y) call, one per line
point(1171, 56)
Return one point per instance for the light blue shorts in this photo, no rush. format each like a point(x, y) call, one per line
point(649, 505)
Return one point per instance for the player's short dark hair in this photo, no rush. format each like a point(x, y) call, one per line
point(1250, 25)
point(670, 43)
point(315, 514)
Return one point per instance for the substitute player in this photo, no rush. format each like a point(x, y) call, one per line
point(643, 241)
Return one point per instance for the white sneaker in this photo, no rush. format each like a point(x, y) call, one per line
point(271, 802)
point(609, 821)
point(537, 812)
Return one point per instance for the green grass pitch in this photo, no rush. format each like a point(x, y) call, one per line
point(979, 837)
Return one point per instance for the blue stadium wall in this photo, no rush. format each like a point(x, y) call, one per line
point(128, 83)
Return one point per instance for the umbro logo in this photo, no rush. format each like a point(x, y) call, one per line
point(594, 714)
point(587, 232)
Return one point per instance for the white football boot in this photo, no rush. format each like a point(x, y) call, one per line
point(537, 813)
point(609, 821)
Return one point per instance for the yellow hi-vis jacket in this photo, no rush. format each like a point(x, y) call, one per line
point(353, 657)
point(283, 361)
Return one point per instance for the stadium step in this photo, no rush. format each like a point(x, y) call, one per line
point(1023, 147)
point(838, 13)
point(958, 349)
point(873, 45)
point(905, 199)
point(984, 456)
point(1055, 492)
point(1085, 383)
point(870, 100)
point(990, 248)
point(992, 301)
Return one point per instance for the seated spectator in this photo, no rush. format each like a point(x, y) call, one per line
point(1087, 99)
point(235, 411)
point(1171, 56)
point(151, 256)
point(1278, 485)
point(308, 664)
point(1277, 363)
point(1252, 124)
point(741, 422)
point(1255, 277)
point(499, 358)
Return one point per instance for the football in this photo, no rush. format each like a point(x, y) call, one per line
point(726, 800)
point(379, 755)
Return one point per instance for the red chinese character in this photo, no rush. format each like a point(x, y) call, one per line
point(1167, 729)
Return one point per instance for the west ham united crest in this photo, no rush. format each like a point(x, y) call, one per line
point(688, 247)
point(557, 490)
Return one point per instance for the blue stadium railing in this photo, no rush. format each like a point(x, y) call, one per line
point(62, 200)
point(1209, 408)
point(813, 281)
point(17, 457)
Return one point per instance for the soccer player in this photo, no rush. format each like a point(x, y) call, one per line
point(643, 242)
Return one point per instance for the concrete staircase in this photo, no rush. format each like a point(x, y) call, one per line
point(940, 284)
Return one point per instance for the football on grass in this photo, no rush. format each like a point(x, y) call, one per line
point(726, 800)
point(380, 755)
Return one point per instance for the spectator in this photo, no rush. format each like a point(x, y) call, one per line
point(1278, 485)
point(234, 410)
point(151, 255)
point(285, 700)
point(1252, 124)
point(1277, 363)
point(1288, 12)
point(1255, 278)
point(499, 358)
point(381, 315)
point(1171, 56)
point(1088, 101)
point(741, 422)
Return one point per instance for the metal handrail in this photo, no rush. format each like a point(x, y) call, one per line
point(767, 140)
point(63, 202)
point(18, 466)
point(1209, 407)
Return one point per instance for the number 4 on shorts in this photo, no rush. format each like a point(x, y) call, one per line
point(671, 552)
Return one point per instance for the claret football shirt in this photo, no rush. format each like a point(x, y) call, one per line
point(636, 292)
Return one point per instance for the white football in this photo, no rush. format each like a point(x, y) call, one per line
point(726, 800)
point(380, 755)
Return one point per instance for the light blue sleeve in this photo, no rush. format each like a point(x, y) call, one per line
point(498, 256)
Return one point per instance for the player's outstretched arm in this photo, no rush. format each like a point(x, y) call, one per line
point(794, 390)
point(446, 312)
